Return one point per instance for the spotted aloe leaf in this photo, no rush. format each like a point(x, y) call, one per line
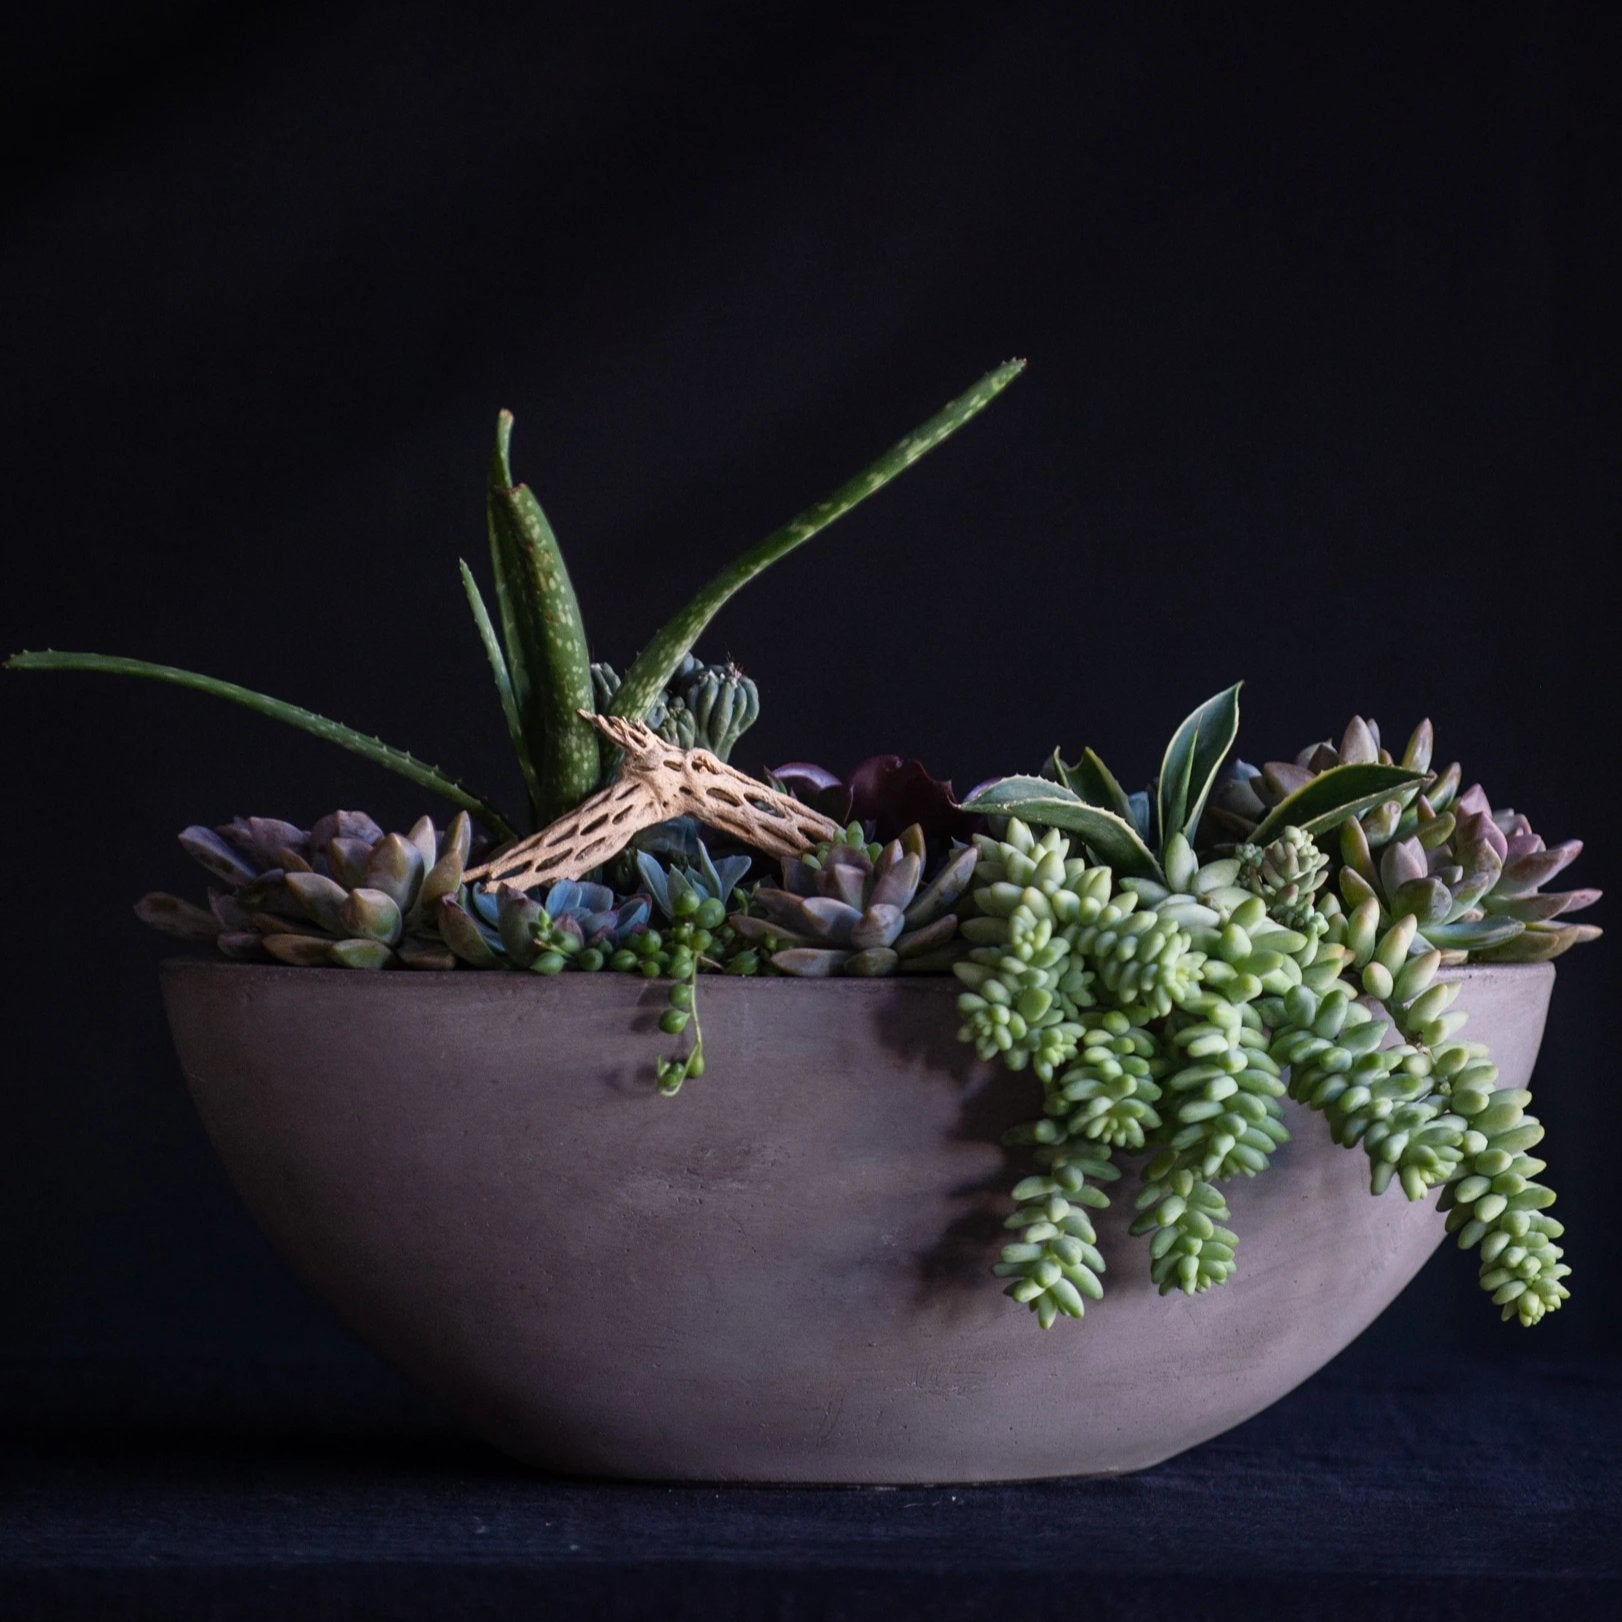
point(647, 678)
point(346, 737)
point(547, 663)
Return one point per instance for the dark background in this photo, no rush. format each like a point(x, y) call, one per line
point(1319, 396)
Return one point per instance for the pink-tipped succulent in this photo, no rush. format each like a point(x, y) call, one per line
point(343, 895)
point(1470, 876)
point(1526, 865)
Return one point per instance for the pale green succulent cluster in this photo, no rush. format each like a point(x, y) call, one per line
point(1168, 1004)
point(1162, 1017)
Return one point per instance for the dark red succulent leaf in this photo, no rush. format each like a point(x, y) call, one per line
point(894, 793)
point(887, 794)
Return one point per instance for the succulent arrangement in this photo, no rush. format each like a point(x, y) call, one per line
point(1168, 964)
point(1167, 1002)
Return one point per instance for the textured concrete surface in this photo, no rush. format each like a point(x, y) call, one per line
point(781, 1274)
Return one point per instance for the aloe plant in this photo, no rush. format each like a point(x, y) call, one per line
point(536, 640)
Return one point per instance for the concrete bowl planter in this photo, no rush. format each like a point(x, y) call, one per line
point(780, 1274)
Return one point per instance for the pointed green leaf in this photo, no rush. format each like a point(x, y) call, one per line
point(1095, 783)
point(520, 635)
point(372, 749)
point(504, 686)
point(1329, 798)
point(1193, 758)
point(657, 662)
point(547, 661)
point(1110, 838)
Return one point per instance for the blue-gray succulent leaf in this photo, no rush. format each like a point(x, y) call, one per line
point(879, 925)
point(1473, 934)
point(810, 962)
point(655, 880)
point(346, 858)
point(372, 914)
point(731, 871)
point(1539, 943)
point(593, 897)
point(1402, 862)
point(1142, 813)
point(943, 891)
point(563, 896)
point(321, 899)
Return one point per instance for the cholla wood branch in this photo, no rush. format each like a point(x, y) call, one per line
point(656, 782)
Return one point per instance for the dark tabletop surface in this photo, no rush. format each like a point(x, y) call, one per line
point(1381, 1488)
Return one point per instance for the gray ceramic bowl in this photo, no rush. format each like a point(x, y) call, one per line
point(781, 1274)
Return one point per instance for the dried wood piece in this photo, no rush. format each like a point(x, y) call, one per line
point(656, 781)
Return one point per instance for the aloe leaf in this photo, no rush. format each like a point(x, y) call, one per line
point(369, 748)
point(547, 661)
point(1193, 758)
point(504, 686)
point(657, 662)
point(1332, 796)
point(1095, 783)
point(1111, 838)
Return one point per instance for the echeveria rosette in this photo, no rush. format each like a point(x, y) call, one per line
point(342, 895)
point(1526, 865)
point(573, 923)
point(1470, 876)
point(706, 878)
point(1471, 879)
point(848, 911)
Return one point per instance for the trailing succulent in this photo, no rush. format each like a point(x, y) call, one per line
point(1166, 1005)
